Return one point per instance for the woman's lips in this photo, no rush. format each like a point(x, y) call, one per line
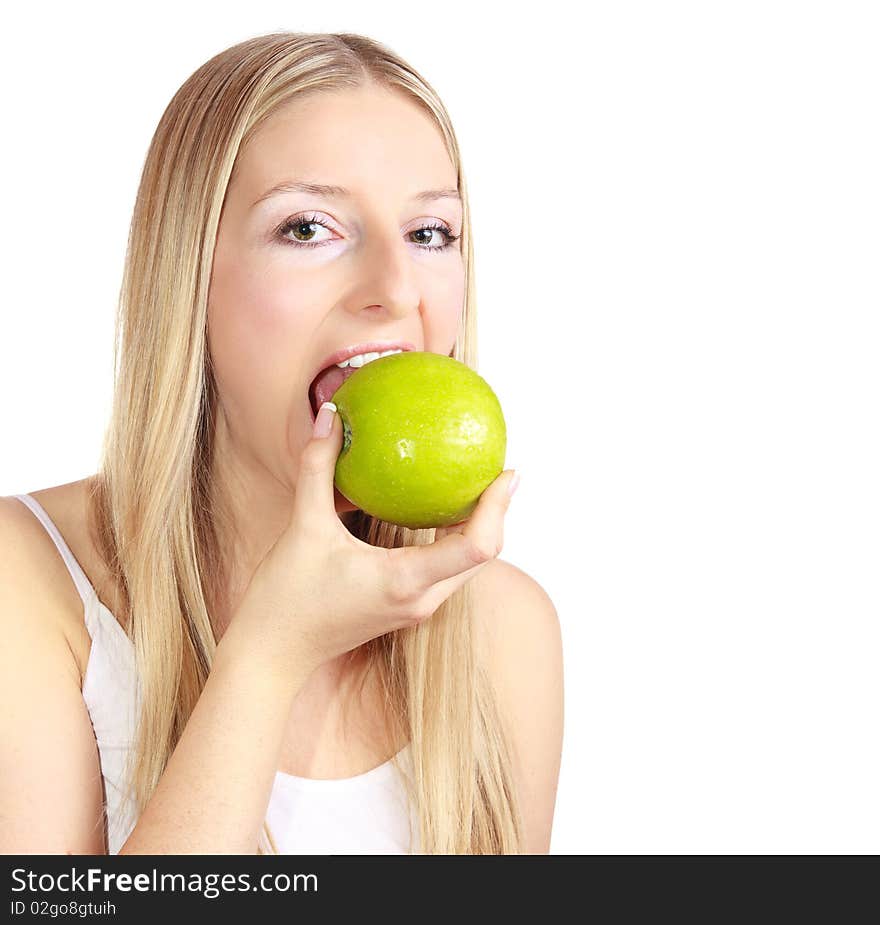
point(344, 354)
point(354, 349)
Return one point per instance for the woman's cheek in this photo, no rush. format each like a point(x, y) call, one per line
point(255, 337)
point(281, 311)
point(441, 320)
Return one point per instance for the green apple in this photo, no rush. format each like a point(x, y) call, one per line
point(424, 436)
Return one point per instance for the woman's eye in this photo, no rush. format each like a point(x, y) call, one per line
point(434, 235)
point(303, 231)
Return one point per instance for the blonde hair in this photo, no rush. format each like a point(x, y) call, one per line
point(154, 511)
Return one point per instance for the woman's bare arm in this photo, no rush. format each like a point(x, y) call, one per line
point(213, 795)
point(50, 775)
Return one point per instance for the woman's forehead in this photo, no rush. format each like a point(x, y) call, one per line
point(344, 140)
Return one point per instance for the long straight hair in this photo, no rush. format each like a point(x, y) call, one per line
point(153, 505)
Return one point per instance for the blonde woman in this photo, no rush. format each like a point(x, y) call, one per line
point(243, 662)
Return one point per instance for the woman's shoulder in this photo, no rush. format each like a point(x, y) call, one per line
point(519, 639)
point(521, 643)
point(517, 626)
point(510, 604)
point(67, 506)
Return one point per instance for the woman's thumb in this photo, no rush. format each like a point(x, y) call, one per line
point(314, 484)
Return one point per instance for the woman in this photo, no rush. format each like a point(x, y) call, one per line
point(244, 660)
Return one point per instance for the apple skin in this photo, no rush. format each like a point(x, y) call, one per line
point(424, 436)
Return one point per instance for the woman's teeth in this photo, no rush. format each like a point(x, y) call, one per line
point(362, 358)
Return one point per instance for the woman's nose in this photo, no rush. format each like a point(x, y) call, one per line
point(388, 278)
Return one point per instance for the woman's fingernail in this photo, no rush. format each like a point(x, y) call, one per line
point(513, 484)
point(324, 420)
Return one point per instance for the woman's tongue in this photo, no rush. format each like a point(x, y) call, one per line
point(326, 383)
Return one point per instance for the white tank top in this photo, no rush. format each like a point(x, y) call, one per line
point(365, 814)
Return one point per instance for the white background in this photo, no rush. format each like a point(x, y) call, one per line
point(677, 220)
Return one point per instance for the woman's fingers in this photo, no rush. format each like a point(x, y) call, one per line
point(314, 504)
point(463, 546)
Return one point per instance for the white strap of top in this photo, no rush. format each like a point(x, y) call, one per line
point(83, 585)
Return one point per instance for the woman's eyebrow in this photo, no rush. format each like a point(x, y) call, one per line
point(322, 189)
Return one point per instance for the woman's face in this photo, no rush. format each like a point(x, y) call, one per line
point(277, 308)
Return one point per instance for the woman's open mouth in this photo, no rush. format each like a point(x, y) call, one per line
point(323, 387)
point(325, 384)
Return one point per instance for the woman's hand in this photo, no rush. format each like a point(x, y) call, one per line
point(321, 592)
